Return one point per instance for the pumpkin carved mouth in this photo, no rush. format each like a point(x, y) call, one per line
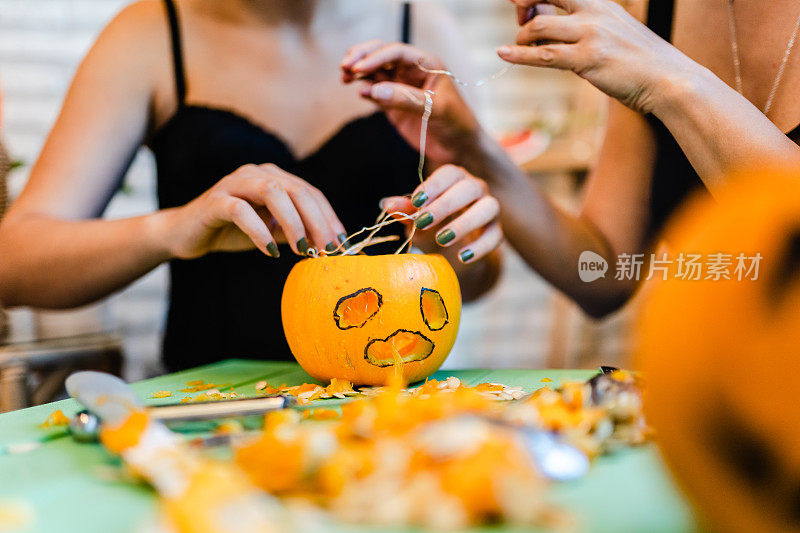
point(354, 310)
point(402, 346)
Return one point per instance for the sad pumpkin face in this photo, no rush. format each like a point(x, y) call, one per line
point(360, 317)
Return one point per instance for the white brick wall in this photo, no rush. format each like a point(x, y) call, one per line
point(41, 43)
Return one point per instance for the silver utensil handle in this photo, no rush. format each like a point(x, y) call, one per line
point(218, 409)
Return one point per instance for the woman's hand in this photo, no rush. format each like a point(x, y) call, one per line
point(398, 85)
point(453, 207)
point(602, 43)
point(252, 207)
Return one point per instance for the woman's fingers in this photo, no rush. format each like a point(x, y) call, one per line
point(452, 194)
point(323, 223)
point(455, 198)
point(442, 179)
point(322, 234)
point(561, 56)
point(258, 185)
point(397, 207)
point(301, 210)
point(242, 214)
point(336, 226)
point(490, 239)
point(478, 215)
point(357, 52)
point(569, 6)
point(317, 215)
point(525, 14)
point(393, 53)
point(281, 206)
point(397, 204)
point(390, 95)
point(550, 28)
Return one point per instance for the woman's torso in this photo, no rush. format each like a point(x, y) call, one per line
point(228, 304)
point(701, 30)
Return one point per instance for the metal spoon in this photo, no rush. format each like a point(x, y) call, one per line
point(84, 426)
point(111, 399)
point(556, 459)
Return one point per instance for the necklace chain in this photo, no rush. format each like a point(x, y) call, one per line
point(737, 65)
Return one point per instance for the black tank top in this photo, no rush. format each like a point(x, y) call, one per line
point(674, 178)
point(227, 305)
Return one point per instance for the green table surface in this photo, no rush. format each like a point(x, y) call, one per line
point(67, 486)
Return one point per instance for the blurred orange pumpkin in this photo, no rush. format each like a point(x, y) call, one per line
point(722, 358)
point(360, 317)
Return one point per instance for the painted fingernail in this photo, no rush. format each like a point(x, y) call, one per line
point(382, 92)
point(302, 246)
point(445, 236)
point(466, 255)
point(424, 220)
point(342, 238)
point(418, 199)
point(272, 250)
point(331, 247)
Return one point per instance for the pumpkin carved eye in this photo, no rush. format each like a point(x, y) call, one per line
point(434, 312)
point(354, 310)
point(402, 346)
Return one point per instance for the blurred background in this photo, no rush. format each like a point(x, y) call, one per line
point(522, 323)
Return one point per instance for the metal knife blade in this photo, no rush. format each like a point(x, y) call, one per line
point(183, 412)
point(112, 400)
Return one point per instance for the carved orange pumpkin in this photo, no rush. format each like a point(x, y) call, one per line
point(357, 317)
point(722, 359)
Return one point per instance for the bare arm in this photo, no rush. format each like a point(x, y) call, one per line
point(54, 252)
point(49, 255)
point(612, 221)
point(452, 129)
point(718, 129)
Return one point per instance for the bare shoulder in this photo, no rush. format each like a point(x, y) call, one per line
point(130, 56)
point(144, 22)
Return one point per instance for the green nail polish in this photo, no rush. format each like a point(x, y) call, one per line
point(445, 236)
point(424, 220)
point(342, 238)
point(302, 246)
point(466, 255)
point(331, 247)
point(272, 249)
point(418, 199)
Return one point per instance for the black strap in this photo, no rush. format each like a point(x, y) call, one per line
point(405, 35)
point(177, 52)
point(659, 17)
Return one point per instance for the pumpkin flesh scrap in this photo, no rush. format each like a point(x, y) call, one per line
point(354, 310)
point(434, 312)
point(402, 346)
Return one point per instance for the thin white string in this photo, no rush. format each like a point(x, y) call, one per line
point(461, 82)
point(423, 133)
point(384, 219)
